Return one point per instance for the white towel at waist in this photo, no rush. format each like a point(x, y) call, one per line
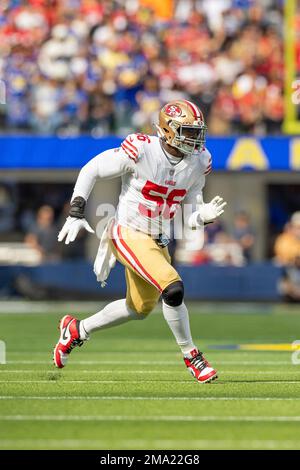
point(105, 259)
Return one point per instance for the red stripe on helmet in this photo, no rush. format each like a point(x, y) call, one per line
point(196, 111)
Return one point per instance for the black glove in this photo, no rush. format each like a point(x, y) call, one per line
point(77, 207)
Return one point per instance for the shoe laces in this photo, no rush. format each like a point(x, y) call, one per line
point(75, 342)
point(199, 361)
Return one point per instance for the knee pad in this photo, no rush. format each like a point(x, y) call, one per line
point(173, 294)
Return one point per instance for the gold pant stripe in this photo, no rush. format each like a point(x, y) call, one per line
point(130, 257)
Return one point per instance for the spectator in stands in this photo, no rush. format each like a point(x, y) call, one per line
point(212, 230)
point(43, 234)
point(243, 233)
point(287, 244)
point(289, 285)
point(225, 248)
point(46, 114)
point(7, 209)
point(225, 251)
point(149, 103)
point(221, 250)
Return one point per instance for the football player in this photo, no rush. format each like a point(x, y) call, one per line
point(158, 174)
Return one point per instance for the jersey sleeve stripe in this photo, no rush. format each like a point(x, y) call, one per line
point(130, 145)
point(129, 152)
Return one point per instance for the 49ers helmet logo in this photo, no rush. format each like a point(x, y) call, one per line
point(173, 110)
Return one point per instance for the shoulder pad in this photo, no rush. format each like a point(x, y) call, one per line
point(133, 145)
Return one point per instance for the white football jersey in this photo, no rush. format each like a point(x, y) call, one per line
point(151, 195)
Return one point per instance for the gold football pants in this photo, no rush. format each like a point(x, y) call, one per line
point(148, 267)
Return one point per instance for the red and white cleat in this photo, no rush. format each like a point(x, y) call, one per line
point(69, 339)
point(199, 367)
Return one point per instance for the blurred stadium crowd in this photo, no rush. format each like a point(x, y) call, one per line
point(100, 66)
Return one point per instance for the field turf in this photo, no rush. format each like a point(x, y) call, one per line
point(128, 388)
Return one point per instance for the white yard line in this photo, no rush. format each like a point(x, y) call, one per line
point(99, 363)
point(139, 398)
point(54, 381)
point(178, 362)
point(187, 382)
point(167, 418)
point(134, 371)
point(77, 307)
point(98, 371)
point(146, 444)
point(12, 307)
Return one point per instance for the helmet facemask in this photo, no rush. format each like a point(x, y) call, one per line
point(188, 138)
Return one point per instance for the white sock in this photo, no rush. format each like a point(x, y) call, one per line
point(112, 314)
point(178, 320)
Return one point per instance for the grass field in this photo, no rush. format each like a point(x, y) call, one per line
point(128, 388)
